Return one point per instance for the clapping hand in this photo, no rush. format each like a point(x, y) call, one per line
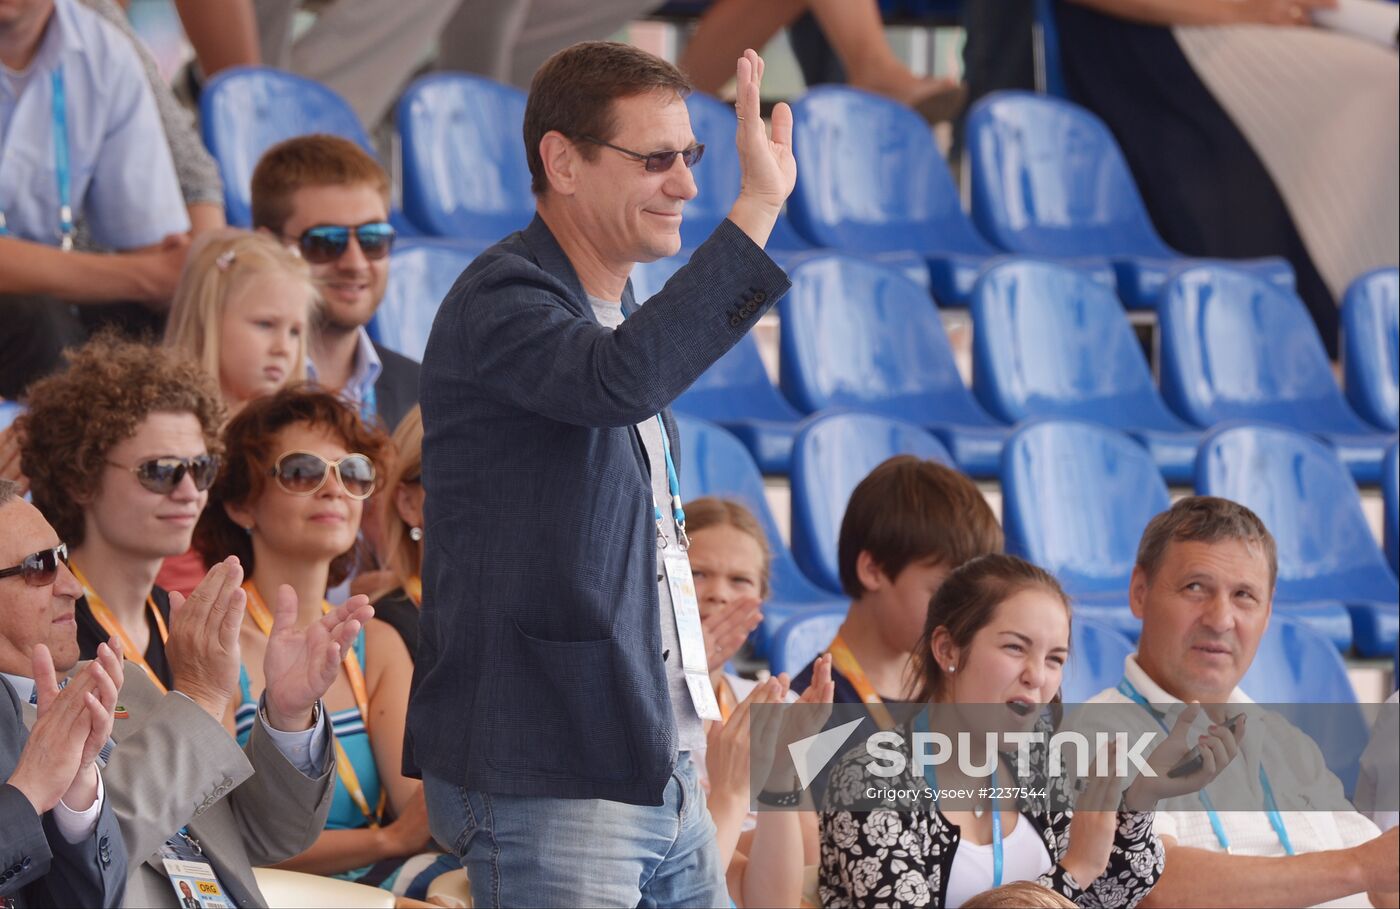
point(71, 727)
point(805, 717)
point(726, 626)
point(301, 664)
point(203, 648)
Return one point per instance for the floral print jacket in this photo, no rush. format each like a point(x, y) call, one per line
point(901, 853)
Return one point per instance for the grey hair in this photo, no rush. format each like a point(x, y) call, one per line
point(1205, 519)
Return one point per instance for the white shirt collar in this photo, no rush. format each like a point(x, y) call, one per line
point(363, 374)
point(1155, 694)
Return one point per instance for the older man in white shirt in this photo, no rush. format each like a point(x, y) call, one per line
point(1203, 588)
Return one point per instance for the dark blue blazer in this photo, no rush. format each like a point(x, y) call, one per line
point(540, 669)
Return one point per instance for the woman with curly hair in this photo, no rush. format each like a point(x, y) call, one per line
point(120, 449)
point(991, 657)
point(288, 502)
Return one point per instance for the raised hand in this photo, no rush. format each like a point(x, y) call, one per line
point(1092, 828)
point(805, 717)
point(768, 171)
point(50, 764)
point(726, 626)
point(301, 664)
point(203, 649)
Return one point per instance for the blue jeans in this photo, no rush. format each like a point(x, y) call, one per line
point(534, 851)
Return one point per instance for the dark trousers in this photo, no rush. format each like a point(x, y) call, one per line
point(35, 331)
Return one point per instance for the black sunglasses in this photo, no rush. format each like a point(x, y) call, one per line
point(162, 475)
point(327, 242)
point(39, 569)
point(656, 162)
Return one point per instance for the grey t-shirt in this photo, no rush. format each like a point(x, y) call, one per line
point(690, 732)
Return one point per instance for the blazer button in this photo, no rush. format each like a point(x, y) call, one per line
point(24, 865)
point(760, 297)
point(735, 321)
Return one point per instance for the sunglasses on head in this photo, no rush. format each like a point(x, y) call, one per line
point(302, 473)
point(327, 242)
point(656, 162)
point(162, 475)
point(39, 569)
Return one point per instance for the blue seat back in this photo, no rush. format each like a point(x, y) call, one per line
point(832, 454)
point(9, 411)
point(247, 109)
point(1048, 179)
point(802, 638)
point(1306, 497)
point(717, 175)
point(1050, 341)
point(1075, 500)
point(1371, 346)
point(856, 334)
point(421, 273)
point(464, 168)
point(736, 386)
point(871, 179)
point(1390, 491)
point(649, 277)
point(1235, 347)
point(714, 463)
point(1096, 654)
point(1296, 669)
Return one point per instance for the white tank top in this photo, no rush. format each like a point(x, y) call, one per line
point(1024, 858)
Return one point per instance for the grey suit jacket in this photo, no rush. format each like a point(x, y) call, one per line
point(38, 867)
point(175, 765)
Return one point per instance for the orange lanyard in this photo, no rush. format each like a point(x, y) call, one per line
point(262, 616)
point(846, 663)
point(113, 626)
point(414, 588)
point(728, 703)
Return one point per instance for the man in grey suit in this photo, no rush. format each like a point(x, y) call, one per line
point(59, 843)
point(181, 788)
point(561, 680)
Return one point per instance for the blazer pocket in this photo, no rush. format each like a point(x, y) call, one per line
point(565, 717)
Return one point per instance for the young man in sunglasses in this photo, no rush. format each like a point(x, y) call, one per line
point(327, 198)
point(557, 609)
point(80, 141)
point(59, 842)
point(120, 449)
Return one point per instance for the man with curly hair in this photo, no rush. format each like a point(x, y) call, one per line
point(120, 449)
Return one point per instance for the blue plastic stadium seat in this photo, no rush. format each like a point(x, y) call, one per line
point(834, 452)
point(1371, 346)
point(1304, 495)
point(1390, 490)
point(1295, 667)
point(802, 638)
point(735, 393)
point(857, 335)
point(1050, 342)
point(9, 411)
point(1096, 655)
point(870, 180)
point(714, 463)
point(1237, 348)
point(1075, 499)
point(245, 110)
point(464, 168)
point(1049, 180)
point(421, 273)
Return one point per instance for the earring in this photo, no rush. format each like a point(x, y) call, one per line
point(952, 668)
point(415, 534)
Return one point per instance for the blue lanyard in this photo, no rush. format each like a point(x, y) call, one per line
point(921, 725)
point(673, 483)
point(60, 161)
point(369, 404)
point(1126, 688)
